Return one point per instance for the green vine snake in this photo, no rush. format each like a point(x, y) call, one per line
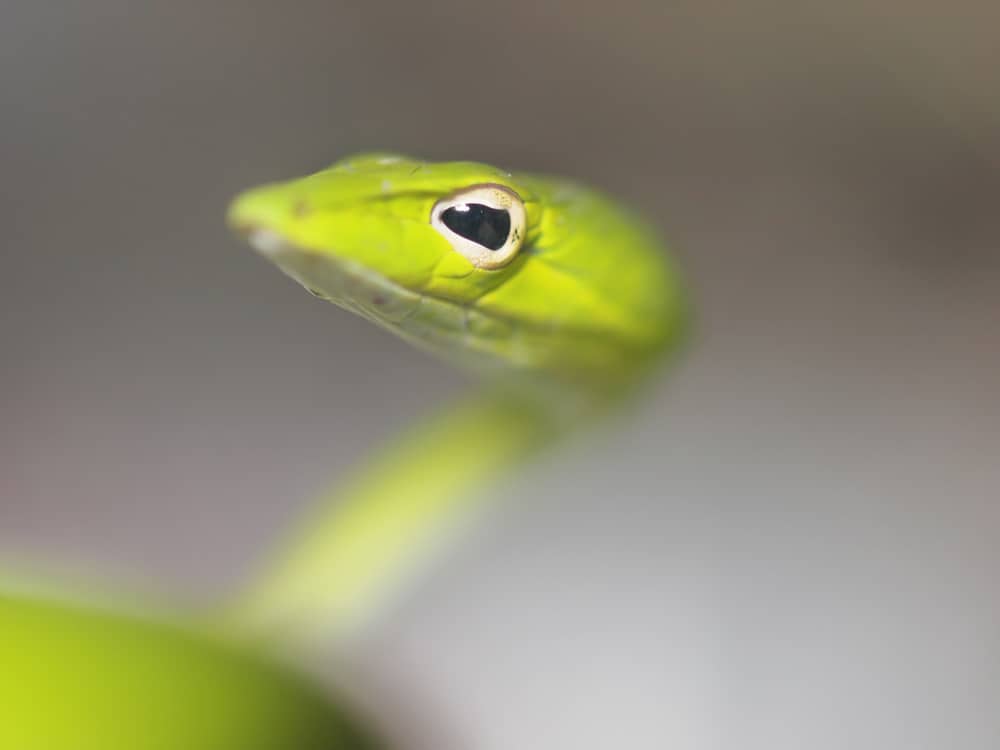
point(557, 297)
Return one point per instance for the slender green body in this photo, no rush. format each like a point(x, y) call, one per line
point(559, 298)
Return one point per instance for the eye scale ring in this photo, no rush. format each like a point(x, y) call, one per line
point(485, 223)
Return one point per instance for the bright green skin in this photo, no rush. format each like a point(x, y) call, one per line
point(82, 677)
point(588, 301)
point(584, 310)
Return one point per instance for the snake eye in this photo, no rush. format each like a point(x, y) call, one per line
point(485, 223)
point(478, 223)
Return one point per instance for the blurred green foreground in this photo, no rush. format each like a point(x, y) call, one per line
point(81, 678)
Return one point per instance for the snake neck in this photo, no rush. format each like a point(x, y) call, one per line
point(372, 532)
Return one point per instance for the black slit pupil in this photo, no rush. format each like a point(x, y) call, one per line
point(483, 225)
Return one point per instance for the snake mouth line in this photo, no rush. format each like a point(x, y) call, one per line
point(426, 320)
point(343, 282)
point(366, 292)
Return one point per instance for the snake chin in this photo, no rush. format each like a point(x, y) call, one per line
point(266, 242)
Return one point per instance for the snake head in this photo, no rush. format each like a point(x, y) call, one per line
point(495, 270)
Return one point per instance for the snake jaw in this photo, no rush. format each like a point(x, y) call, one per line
point(266, 242)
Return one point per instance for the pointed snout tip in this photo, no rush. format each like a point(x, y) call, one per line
point(255, 216)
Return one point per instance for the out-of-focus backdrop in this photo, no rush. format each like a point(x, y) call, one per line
point(795, 543)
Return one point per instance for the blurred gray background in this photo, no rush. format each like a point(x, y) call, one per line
point(793, 544)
